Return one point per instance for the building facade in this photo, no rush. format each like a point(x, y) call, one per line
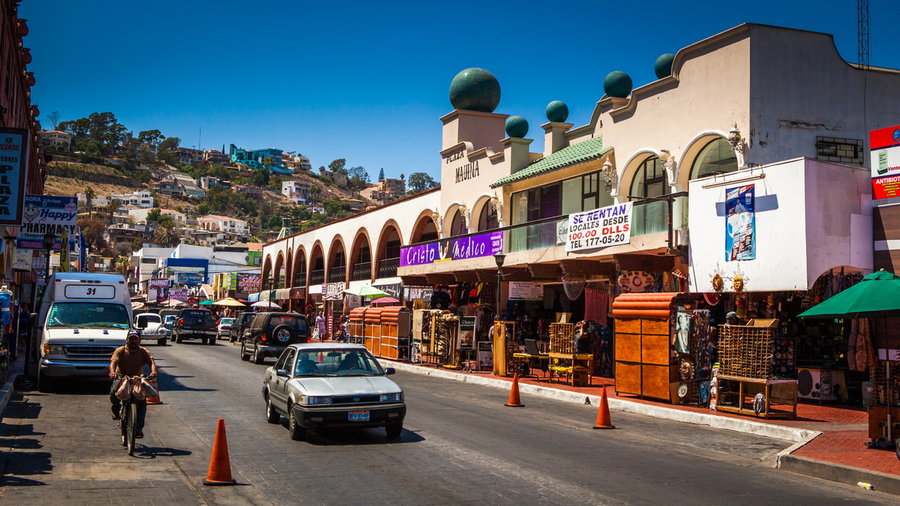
point(56, 139)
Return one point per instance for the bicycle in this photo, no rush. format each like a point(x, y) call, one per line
point(128, 417)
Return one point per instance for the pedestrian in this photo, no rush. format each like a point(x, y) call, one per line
point(320, 326)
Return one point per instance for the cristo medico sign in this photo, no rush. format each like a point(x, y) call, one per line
point(13, 158)
point(600, 228)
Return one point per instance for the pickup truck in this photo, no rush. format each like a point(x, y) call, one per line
point(195, 324)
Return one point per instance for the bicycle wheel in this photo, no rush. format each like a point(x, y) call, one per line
point(123, 422)
point(132, 421)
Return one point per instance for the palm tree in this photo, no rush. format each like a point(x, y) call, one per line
point(166, 235)
point(122, 266)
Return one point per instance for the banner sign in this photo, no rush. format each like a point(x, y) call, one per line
point(600, 228)
point(188, 278)
point(22, 259)
point(248, 283)
point(526, 290)
point(47, 214)
point(179, 294)
point(13, 166)
point(332, 291)
point(884, 144)
point(740, 224)
point(462, 248)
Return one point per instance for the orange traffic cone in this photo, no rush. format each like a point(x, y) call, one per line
point(321, 357)
point(154, 400)
point(514, 401)
point(219, 463)
point(603, 419)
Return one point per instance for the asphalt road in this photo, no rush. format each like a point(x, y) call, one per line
point(461, 445)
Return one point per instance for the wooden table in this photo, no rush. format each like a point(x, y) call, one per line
point(778, 393)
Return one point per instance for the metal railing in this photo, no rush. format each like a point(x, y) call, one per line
point(361, 271)
point(337, 274)
point(300, 279)
point(387, 267)
point(317, 277)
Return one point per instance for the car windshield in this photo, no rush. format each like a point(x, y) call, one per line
point(170, 318)
point(98, 315)
point(226, 321)
point(336, 362)
point(195, 314)
point(293, 321)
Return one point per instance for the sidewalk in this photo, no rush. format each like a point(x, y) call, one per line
point(830, 439)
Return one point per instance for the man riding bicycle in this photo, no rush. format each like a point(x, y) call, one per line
point(129, 360)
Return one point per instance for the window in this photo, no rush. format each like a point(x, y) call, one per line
point(834, 149)
point(650, 179)
point(98, 315)
point(488, 218)
point(458, 225)
point(717, 157)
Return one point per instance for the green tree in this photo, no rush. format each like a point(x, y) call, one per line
point(358, 176)
point(260, 178)
point(268, 161)
point(89, 195)
point(420, 181)
point(166, 235)
point(381, 174)
point(93, 232)
point(169, 143)
point(100, 127)
point(151, 137)
point(338, 166)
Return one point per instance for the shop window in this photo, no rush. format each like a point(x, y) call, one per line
point(572, 196)
point(458, 225)
point(649, 216)
point(650, 179)
point(717, 157)
point(487, 220)
point(834, 149)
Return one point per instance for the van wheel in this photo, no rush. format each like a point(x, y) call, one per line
point(204, 340)
point(393, 430)
point(161, 342)
point(244, 355)
point(45, 384)
point(258, 357)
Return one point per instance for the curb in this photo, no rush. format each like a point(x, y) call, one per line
point(717, 422)
point(7, 391)
point(840, 473)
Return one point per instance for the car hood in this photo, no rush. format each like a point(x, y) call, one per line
point(347, 385)
point(68, 336)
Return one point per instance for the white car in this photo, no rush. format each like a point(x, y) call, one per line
point(150, 325)
point(319, 385)
point(224, 327)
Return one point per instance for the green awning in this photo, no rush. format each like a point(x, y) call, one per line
point(878, 294)
point(590, 149)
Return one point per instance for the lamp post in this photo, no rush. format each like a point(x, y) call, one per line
point(499, 258)
point(49, 239)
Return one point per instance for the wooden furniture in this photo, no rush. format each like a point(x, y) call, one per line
point(357, 329)
point(878, 423)
point(373, 330)
point(737, 395)
point(564, 361)
point(395, 330)
point(504, 336)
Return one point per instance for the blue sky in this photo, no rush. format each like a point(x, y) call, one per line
point(367, 81)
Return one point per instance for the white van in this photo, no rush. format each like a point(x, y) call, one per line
point(84, 317)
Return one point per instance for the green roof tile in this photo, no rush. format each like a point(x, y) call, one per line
point(581, 152)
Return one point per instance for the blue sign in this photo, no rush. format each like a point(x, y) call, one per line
point(47, 214)
point(189, 278)
point(13, 166)
point(740, 223)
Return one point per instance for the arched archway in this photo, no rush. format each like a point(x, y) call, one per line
point(317, 265)
point(388, 251)
point(425, 229)
point(299, 270)
point(647, 181)
point(289, 269)
point(487, 215)
point(715, 157)
point(337, 261)
point(361, 257)
point(278, 275)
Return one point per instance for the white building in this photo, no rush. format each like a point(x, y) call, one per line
point(224, 224)
point(141, 198)
point(140, 215)
point(56, 139)
point(298, 191)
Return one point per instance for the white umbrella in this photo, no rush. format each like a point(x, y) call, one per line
point(266, 304)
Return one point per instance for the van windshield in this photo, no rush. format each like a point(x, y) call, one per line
point(98, 315)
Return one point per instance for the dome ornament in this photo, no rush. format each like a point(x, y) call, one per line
point(735, 140)
point(475, 89)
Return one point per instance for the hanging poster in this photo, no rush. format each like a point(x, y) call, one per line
point(485, 356)
point(740, 224)
point(13, 166)
point(47, 214)
point(526, 290)
point(884, 145)
point(607, 226)
point(466, 335)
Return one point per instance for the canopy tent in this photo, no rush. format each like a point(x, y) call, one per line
point(385, 300)
point(265, 304)
point(207, 302)
point(878, 294)
point(367, 291)
point(229, 302)
point(174, 303)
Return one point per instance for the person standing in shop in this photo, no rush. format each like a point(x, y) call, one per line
point(320, 326)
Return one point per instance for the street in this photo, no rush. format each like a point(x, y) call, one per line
point(460, 445)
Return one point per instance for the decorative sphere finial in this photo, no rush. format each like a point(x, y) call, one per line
point(475, 89)
point(617, 84)
point(557, 111)
point(516, 126)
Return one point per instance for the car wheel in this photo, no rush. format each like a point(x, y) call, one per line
point(258, 357)
point(204, 340)
point(272, 416)
point(297, 432)
point(212, 340)
point(178, 338)
point(283, 334)
point(161, 342)
point(45, 383)
point(244, 355)
point(394, 430)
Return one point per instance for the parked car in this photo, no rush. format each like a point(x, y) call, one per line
point(224, 327)
point(268, 334)
point(319, 385)
point(151, 328)
point(239, 326)
point(169, 321)
point(194, 324)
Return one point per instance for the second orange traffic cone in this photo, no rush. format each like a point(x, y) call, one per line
point(514, 401)
point(603, 419)
point(219, 464)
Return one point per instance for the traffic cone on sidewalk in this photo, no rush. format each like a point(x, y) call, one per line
point(514, 400)
point(603, 419)
point(219, 464)
point(155, 385)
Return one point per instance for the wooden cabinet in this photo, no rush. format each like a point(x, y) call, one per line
point(738, 395)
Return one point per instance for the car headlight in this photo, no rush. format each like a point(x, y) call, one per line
point(398, 397)
point(54, 349)
point(318, 401)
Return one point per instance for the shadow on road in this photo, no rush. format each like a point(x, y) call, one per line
point(17, 460)
point(356, 437)
point(151, 452)
point(169, 382)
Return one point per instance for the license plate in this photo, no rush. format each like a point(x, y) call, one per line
point(359, 416)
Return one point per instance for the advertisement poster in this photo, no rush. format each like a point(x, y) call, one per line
point(884, 145)
point(740, 224)
point(188, 278)
point(332, 291)
point(47, 214)
point(13, 158)
point(466, 334)
point(485, 356)
point(600, 228)
point(157, 289)
point(526, 290)
point(180, 294)
point(473, 246)
point(249, 283)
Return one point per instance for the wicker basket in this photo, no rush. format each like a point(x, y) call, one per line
point(747, 350)
point(562, 338)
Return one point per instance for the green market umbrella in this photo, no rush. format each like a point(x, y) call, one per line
point(878, 294)
point(207, 302)
point(367, 291)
